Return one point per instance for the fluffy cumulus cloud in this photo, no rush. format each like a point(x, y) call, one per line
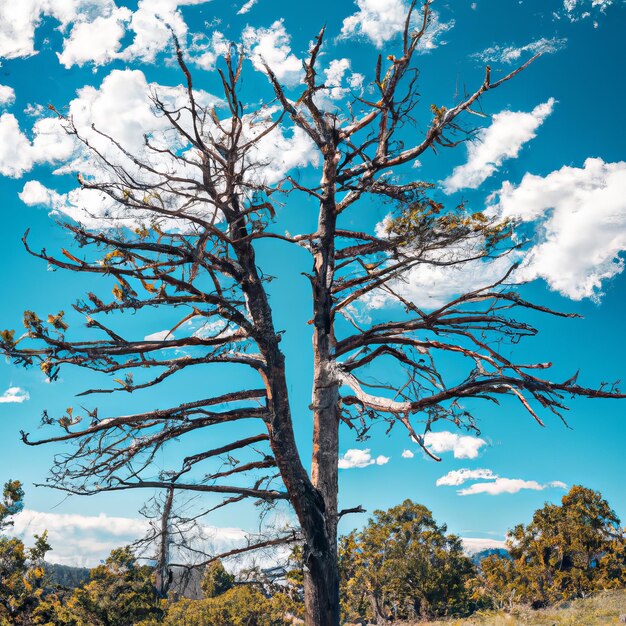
point(84, 540)
point(360, 458)
point(7, 95)
point(97, 41)
point(462, 446)
point(508, 485)
point(271, 46)
point(512, 54)
point(19, 20)
point(458, 477)
point(36, 194)
point(501, 140)
point(205, 51)
point(14, 395)
point(581, 216)
point(486, 481)
point(382, 20)
point(93, 29)
point(121, 106)
point(152, 24)
point(18, 154)
point(15, 149)
point(407, 454)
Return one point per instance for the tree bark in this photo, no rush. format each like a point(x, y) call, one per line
point(314, 499)
point(321, 581)
point(163, 572)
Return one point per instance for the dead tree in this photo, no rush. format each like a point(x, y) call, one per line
point(186, 239)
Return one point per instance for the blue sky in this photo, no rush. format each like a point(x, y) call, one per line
point(551, 154)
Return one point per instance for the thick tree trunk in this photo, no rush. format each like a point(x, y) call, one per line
point(321, 582)
point(314, 499)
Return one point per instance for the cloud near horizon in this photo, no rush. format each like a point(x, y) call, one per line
point(85, 540)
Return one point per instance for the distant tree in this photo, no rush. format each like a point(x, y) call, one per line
point(22, 575)
point(216, 580)
point(401, 566)
point(120, 593)
point(12, 502)
point(185, 218)
point(567, 551)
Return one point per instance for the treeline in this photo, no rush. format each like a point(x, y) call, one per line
point(402, 566)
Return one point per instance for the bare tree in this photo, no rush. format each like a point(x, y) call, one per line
point(183, 237)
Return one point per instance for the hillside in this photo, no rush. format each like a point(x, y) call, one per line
point(605, 609)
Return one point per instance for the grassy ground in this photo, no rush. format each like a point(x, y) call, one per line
point(604, 609)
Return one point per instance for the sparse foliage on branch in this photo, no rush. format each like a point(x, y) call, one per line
point(179, 228)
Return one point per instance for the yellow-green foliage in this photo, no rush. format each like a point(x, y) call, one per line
point(403, 565)
point(120, 593)
point(603, 609)
point(566, 552)
point(242, 605)
point(216, 580)
point(21, 571)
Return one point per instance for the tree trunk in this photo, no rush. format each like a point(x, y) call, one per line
point(321, 582)
point(314, 499)
point(163, 572)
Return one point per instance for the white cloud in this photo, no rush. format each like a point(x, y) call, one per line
point(458, 477)
point(14, 395)
point(98, 27)
point(7, 95)
point(160, 335)
point(98, 41)
point(246, 7)
point(18, 20)
point(581, 9)
point(18, 154)
point(360, 458)
point(432, 286)
point(508, 485)
point(407, 454)
point(84, 540)
point(121, 106)
point(151, 24)
point(512, 54)
point(36, 194)
point(502, 140)
point(581, 214)
point(272, 46)
point(205, 51)
point(473, 545)
point(15, 149)
point(462, 446)
point(382, 20)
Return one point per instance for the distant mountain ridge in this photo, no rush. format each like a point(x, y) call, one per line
point(66, 576)
point(483, 554)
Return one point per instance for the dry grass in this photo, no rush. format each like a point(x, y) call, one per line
point(604, 609)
